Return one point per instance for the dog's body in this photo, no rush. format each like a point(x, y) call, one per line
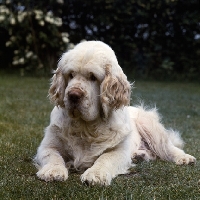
point(92, 127)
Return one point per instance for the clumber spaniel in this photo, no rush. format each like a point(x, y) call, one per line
point(93, 128)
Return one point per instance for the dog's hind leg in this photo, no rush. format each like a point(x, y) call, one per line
point(166, 144)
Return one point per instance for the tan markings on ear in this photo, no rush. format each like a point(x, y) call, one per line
point(115, 90)
point(57, 89)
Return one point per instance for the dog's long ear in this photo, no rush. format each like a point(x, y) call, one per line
point(115, 91)
point(57, 88)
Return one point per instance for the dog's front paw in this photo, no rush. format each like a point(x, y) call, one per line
point(185, 160)
point(96, 176)
point(50, 172)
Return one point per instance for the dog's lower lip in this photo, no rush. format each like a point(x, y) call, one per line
point(74, 112)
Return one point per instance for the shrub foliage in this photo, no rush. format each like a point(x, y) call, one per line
point(150, 38)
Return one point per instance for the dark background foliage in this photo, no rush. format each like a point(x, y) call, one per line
point(157, 39)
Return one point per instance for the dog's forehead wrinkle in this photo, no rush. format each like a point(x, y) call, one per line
point(86, 55)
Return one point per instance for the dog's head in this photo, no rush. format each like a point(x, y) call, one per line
point(89, 83)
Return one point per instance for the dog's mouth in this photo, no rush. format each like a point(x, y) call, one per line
point(74, 112)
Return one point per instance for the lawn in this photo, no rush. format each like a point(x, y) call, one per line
point(25, 110)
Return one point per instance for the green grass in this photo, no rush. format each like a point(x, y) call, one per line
point(24, 113)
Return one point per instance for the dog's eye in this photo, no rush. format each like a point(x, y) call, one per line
point(92, 77)
point(71, 75)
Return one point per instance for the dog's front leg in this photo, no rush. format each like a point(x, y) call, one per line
point(108, 166)
point(49, 161)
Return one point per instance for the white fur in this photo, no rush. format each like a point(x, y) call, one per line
point(101, 134)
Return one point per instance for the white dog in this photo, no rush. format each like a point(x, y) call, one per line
point(93, 128)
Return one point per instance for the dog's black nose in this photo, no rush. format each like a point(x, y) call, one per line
point(75, 95)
